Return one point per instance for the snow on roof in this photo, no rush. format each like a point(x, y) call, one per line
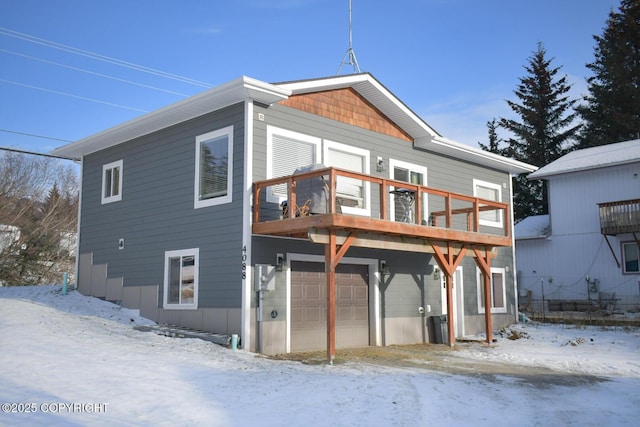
point(532, 227)
point(592, 158)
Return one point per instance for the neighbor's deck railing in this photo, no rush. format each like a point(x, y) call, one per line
point(620, 217)
point(446, 209)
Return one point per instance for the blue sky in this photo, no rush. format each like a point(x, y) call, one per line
point(453, 62)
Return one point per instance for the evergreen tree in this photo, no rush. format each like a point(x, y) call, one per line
point(546, 129)
point(494, 140)
point(612, 112)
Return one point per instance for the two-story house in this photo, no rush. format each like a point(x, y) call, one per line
point(584, 254)
point(301, 215)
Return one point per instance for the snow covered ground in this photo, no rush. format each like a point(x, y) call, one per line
point(74, 360)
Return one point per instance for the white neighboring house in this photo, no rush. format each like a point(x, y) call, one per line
point(585, 252)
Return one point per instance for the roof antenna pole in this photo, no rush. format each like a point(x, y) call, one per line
point(350, 56)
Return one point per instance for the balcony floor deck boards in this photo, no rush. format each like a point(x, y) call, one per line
point(302, 226)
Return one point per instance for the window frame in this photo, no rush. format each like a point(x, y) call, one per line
point(365, 154)
point(315, 142)
point(480, 286)
point(624, 258)
point(215, 200)
point(182, 253)
point(492, 186)
point(411, 167)
point(118, 164)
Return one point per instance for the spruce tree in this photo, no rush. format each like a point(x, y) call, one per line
point(612, 110)
point(494, 140)
point(545, 131)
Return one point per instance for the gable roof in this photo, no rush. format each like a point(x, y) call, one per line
point(425, 137)
point(592, 158)
point(246, 88)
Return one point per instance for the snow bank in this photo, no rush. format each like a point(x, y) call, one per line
point(71, 350)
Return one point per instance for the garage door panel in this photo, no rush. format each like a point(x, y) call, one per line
point(296, 292)
point(297, 315)
point(313, 315)
point(312, 292)
point(344, 293)
point(361, 314)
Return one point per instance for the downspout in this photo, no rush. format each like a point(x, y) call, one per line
point(78, 221)
point(513, 252)
point(245, 321)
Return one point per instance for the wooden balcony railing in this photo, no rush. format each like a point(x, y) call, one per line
point(376, 205)
point(620, 217)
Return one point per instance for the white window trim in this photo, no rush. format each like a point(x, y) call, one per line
point(479, 183)
point(366, 211)
point(105, 168)
point(215, 200)
point(272, 130)
point(411, 168)
point(480, 283)
point(195, 252)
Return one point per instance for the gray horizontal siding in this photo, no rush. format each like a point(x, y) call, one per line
point(407, 288)
point(443, 172)
point(156, 213)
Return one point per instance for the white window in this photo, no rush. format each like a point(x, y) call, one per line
point(353, 194)
point(214, 161)
point(489, 191)
point(630, 257)
point(286, 152)
point(402, 206)
point(181, 279)
point(498, 290)
point(112, 182)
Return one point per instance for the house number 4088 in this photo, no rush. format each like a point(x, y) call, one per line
point(244, 262)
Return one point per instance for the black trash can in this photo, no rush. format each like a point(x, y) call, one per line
point(440, 328)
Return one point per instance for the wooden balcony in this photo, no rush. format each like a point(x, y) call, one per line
point(340, 209)
point(376, 212)
point(620, 217)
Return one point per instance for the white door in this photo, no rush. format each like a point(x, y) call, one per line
point(458, 301)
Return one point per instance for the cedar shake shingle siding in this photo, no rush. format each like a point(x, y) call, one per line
point(347, 106)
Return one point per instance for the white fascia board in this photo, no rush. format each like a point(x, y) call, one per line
point(374, 92)
point(457, 150)
point(330, 83)
point(238, 90)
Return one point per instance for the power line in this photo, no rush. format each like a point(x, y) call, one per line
point(34, 135)
point(92, 72)
point(99, 57)
point(33, 153)
point(71, 95)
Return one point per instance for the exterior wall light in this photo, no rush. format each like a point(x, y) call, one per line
point(384, 268)
point(280, 260)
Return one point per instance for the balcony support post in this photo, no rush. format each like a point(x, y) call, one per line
point(484, 263)
point(448, 264)
point(333, 253)
point(611, 249)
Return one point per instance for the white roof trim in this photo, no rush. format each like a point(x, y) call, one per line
point(424, 136)
point(245, 88)
point(457, 150)
point(238, 90)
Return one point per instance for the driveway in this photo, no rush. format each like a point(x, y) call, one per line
point(440, 358)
